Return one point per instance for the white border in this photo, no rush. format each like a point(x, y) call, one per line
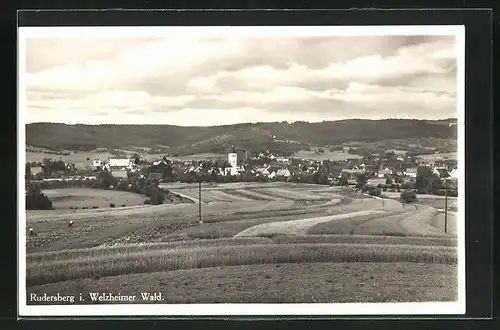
point(450, 308)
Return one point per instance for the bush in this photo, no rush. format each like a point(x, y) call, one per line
point(408, 196)
point(123, 205)
point(388, 181)
point(147, 201)
point(95, 207)
point(399, 180)
point(380, 186)
point(374, 191)
point(111, 205)
point(122, 185)
point(157, 196)
point(84, 207)
point(405, 186)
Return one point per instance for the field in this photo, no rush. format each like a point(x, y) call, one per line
point(326, 155)
point(440, 156)
point(80, 158)
point(69, 198)
point(259, 242)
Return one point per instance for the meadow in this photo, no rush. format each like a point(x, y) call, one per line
point(71, 198)
point(259, 242)
point(326, 155)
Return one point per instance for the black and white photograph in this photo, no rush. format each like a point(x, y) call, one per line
point(230, 170)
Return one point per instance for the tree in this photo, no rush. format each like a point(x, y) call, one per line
point(36, 199)
point(408, 196)
point(374, 191)
point(27, 175)
point(106, 179)
point(343, 181)
point(388, 181)
point(425, 179)
point(361, 180)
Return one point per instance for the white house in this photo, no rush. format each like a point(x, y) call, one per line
point(453, 173)
point(383, 172)
point(121, 162)
point(97, 163)
point(119, 174)
point(283, 160)
point(262, 171)
point(36, 169)
point(283, 172)
point(411, 173)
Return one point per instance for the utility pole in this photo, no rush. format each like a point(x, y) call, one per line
point(199, 203)
point(445, 205)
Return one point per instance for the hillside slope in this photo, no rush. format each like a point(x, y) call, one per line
point(215, 138)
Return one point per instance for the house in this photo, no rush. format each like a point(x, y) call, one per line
point(283, 160)
point(192, 168)
point(36, 169)
point(283, 172)
point(97, 163)
point(311, 169)
point(262, 171)
point(453, 173)
point(400, 158)
point(119, 174)
point(121, 162)
point(383, 172)
point(410, 173)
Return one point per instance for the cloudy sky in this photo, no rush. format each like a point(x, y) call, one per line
point(215, 81)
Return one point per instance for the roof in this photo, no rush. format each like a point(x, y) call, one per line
point(411, 170)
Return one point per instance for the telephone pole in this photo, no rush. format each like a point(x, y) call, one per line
point(199, 203)
point(445, 205)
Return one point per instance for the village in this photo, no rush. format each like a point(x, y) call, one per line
point(389, 171)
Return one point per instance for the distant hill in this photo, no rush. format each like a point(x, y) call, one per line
point(255, 137)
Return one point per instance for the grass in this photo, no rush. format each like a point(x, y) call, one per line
point(279, 283)
point(407, 223)
point(181, 258)
point(366, 239)
point(301, 226)
point(283, 239)
point(159, 249)
point(42, 257)
point(64, 198)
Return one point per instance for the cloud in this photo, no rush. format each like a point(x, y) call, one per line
point(184, 81)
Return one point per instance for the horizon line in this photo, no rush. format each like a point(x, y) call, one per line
point(248, 123)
